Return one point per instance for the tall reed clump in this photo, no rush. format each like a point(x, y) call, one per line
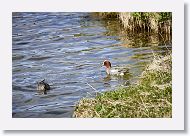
point(151, 97)
point(147, 21)
point(157, 22)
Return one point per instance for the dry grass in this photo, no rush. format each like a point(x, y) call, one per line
point(139, 21)
point(157, 22)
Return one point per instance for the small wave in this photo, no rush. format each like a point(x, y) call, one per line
point(38, 58)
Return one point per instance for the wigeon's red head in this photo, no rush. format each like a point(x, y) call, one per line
point(107, 64)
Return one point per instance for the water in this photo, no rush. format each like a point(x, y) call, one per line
point(67, 50)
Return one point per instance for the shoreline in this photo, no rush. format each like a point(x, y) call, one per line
point(151, 97)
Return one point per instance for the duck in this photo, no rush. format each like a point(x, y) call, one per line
point(118, 71)
point(42, 87)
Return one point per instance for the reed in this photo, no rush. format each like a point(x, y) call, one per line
point(157, 22)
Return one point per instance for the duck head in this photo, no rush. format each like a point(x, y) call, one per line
point(107, 64)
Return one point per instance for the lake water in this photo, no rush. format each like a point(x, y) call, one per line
point(67, 49)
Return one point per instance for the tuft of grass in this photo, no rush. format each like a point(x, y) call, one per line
point(150, 98)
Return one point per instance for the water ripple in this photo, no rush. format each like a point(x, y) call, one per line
point(67, 50)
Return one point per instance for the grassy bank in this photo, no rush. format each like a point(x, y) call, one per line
point(157, 22)
point(151, 97)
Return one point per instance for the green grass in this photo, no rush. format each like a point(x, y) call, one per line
point(151, 97)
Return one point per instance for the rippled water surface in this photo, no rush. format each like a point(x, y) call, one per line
point(67, 49)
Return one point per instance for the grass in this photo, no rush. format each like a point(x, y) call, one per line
point(151, 97)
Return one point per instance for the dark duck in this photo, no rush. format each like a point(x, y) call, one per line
point(42, 87)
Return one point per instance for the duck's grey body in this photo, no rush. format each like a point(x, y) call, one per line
point(119, 71)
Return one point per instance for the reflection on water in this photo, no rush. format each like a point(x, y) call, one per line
point(135, 40)
point(67, 49)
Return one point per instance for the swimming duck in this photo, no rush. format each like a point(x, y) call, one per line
point(42, 87)
point(119, 71)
